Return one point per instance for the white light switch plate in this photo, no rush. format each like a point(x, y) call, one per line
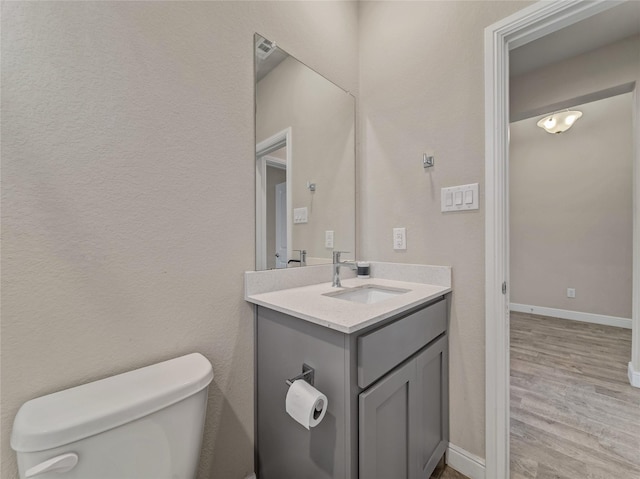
point(300, 215)
point(458, 198)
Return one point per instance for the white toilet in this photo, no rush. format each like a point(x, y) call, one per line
point(144, 424)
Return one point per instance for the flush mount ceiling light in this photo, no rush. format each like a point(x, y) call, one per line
point(559, 122)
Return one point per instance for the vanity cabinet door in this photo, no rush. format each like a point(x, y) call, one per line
point(432, 388)
point(387, 426)
point(404, 418)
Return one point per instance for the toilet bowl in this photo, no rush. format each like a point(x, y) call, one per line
point(143, 424)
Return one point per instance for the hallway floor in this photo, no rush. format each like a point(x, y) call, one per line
point(573, 413)
point(445, 472)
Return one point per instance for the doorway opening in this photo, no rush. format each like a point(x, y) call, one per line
point(273, 201)
point(570, 204)
point(531, 23)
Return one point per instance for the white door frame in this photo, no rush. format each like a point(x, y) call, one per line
point(516, 30)
point(281, 139)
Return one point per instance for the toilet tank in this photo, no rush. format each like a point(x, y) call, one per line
point(145, 423)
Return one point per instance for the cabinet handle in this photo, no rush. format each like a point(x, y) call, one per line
point(62, 463)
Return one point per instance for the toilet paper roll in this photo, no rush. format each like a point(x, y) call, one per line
point(306, 404)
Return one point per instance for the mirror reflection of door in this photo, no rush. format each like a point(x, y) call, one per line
point(275, 196)
point(281, 225)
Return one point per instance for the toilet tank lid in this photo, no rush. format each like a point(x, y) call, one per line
point(73, 414)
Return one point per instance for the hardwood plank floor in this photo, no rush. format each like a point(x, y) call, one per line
point(452, 474)
point(445, 472)
point(573, 413)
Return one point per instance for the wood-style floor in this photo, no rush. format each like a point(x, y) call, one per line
point(445, 472)
point(449, 473)
point(573, 413)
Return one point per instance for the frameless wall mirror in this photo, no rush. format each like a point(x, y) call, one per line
point(305, 163)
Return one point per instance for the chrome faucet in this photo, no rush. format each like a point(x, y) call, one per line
point(336, 267)
point(303, 257)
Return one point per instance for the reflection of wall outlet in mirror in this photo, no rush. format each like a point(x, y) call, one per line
point(399, 238)
point(571, 292)
point(300, 215)
point(328, 239)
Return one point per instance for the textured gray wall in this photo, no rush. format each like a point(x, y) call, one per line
point(128, 193)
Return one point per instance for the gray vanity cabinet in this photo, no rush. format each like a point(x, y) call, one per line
point(387, 387)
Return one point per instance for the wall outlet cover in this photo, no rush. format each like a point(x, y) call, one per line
point(399, 238)
point(328, 239)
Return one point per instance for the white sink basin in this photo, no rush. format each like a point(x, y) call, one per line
point(367, 294)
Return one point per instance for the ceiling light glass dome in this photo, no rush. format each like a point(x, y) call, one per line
point(559, 122)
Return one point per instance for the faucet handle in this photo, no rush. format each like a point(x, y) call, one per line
point(303, 256)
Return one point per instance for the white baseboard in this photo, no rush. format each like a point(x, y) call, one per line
point(465, 463)
point(634, 376)
point(572, 315)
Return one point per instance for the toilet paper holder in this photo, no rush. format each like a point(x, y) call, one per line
point(308, 374)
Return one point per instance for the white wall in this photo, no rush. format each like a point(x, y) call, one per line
point(421, 89)
point(128, 192)
point(571, 211)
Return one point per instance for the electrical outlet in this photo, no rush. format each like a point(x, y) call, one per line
point(328, 239)
point(399, 238)
point(571, 292)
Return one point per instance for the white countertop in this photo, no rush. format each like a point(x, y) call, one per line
point(310, 304)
